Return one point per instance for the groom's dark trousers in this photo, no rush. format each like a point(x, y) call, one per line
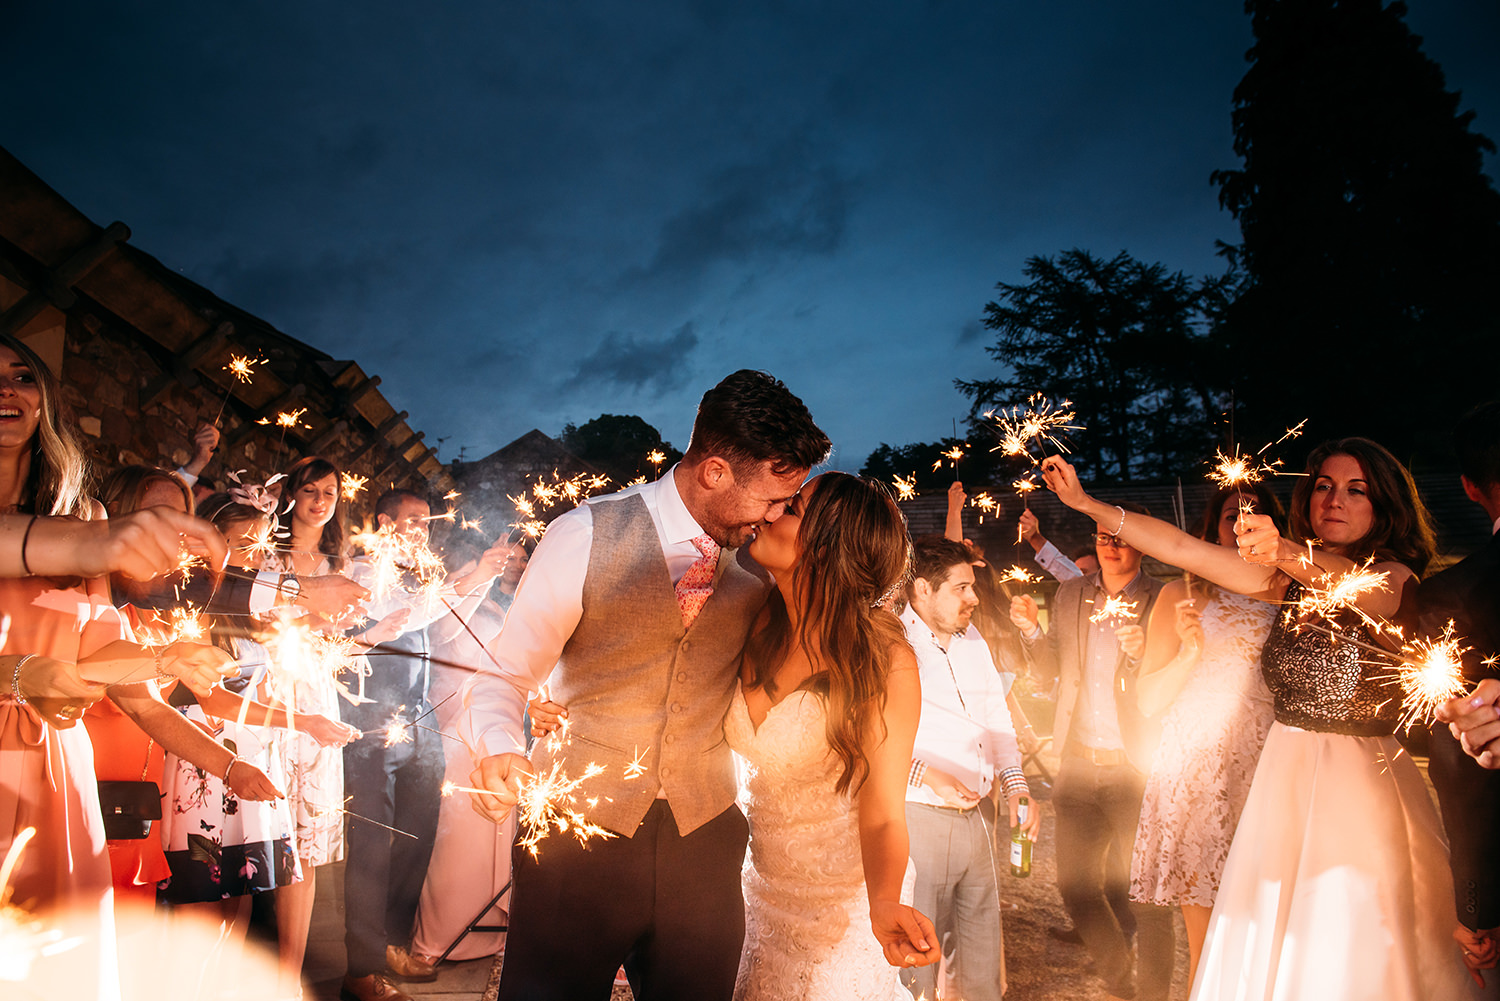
point(667, 907)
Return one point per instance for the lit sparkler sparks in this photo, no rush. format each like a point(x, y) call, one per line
point(1019, 575)
point(954, 456)
point(466, 523)
point(1430, 673)
point(637, 766)
point(548, 493)
point(350, 485)
point(398, 729)
point(243, 368)
point(1241, 470)
point(180, 624)
point(906, 486)
point(452, 495)
point(1037, 426)
point(300, 655)
point(1335, 592)
point(986, 505)
point(1113, 609)
point(549, 802)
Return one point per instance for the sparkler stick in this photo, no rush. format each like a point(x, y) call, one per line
point(324, 810)
point(241, 368)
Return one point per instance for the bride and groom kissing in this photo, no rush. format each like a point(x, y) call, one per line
point(728, 605)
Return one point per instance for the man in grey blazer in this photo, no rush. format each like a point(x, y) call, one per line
point(1104, 745)
point(643, 600)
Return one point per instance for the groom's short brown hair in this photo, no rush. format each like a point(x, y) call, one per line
point(751, 417)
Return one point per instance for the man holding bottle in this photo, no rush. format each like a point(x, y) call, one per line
point(965, 739)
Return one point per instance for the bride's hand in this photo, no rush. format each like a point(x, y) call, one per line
point(1062, 479)
point(906, 936)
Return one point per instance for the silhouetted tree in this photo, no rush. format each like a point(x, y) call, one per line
point(1123, 340)
point(619, 444)
point(1371, 235)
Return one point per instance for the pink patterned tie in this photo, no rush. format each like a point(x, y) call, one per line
point(697, 584)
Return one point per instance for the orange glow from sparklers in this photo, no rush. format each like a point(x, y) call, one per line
point(547, 803)
point(476, 524)
point(1334, 592)
point(906, 487)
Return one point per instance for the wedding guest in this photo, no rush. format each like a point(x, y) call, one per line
point(1202, 679)
point(1468, 595)
point(1100, 735)
point(313, 546)
point(60, 631)
point(470, 862)
point(1338, 822)
point(397, 784)
point(965, 750)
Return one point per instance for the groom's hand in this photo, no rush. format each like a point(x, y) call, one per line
point(905, 934)
point(501, 774)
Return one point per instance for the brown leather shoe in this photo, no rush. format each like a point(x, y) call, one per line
point(409, 966)
point(374, 987)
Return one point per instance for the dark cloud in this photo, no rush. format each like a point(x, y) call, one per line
point(638, 363)
point(784, 204)
point(970, 332)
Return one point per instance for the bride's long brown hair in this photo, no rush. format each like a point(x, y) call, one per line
point(853, 552)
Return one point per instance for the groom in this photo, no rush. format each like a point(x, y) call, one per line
point(643, 600)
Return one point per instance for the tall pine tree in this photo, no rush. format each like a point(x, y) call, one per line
point(1371, 233)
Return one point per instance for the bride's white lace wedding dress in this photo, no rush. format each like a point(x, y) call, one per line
point(807, 918)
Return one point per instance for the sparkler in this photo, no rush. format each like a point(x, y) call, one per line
point(350, 485)
point(465, 523)
point(23, 937)
point(986, 505)
point(1335, 592)
point(954, 456)
point(906, 487)
point(1035, 426)
point(1240, 470)
point(548, 493)
point(1113, 609)
point(1015, 575)
point(656, 457)
point(323, 811)
point(548, 802)
point(241, 368)
point(637, 767)
point(1430, 673)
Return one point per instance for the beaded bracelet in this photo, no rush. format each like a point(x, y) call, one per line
point(1121, 526)
point(15, 679)
point(234, 759)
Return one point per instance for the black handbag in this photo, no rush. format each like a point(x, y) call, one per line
point(129, 808)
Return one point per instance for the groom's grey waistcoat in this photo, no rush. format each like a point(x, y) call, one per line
point(637, 686)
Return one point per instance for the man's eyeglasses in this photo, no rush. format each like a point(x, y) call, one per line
point(1113, 541)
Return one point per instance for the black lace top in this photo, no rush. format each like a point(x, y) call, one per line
point(1325, 685)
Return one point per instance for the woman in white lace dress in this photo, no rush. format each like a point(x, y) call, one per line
point(1202, 666)
point(825, 718)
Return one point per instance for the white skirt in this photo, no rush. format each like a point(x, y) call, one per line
point(1337, 885)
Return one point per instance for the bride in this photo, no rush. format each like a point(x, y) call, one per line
point(824, 718)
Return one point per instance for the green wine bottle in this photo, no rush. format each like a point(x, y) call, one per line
point(1020, 844)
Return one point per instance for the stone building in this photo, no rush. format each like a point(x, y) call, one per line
point(144, 357)
point(488, 484)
